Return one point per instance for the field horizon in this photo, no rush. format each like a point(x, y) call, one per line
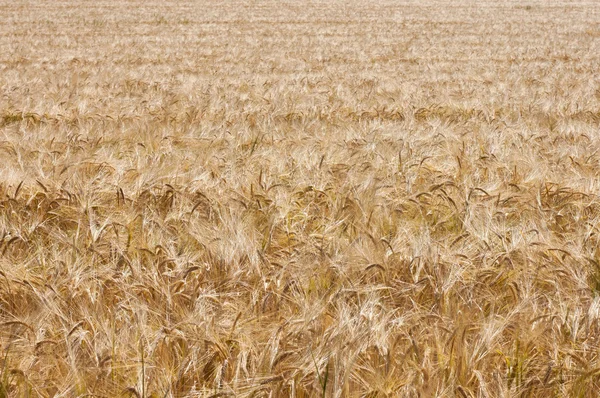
point(299, 199)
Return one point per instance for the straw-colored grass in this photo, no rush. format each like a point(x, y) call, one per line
point(299, 199)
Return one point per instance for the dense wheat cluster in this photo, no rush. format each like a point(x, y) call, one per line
point(303, 199)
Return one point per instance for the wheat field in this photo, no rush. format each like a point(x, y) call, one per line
point(299, 199)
